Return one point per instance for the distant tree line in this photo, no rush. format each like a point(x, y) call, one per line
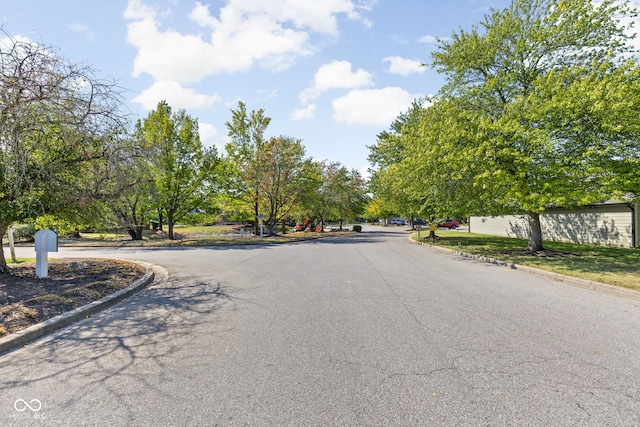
point(71, 157)
point(274, 178)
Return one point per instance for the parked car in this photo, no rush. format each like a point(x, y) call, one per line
point(397, 222)
point(449, 223)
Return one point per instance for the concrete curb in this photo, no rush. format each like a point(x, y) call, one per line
point(25, 336)
point(573, 281)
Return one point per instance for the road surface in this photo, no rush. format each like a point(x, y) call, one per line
point(360, 331)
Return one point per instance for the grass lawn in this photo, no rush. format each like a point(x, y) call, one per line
point(19, 260)
point(190, 236)
point(611, 265)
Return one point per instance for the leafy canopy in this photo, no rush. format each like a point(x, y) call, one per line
point(539, 109)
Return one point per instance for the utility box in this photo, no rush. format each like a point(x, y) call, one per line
point(46, 241)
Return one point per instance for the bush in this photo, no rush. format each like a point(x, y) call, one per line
point(50, 222)
point(357, 228)
point(24, 231)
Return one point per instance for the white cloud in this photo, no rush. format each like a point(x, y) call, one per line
point(8, 42)
point(401, 39)
point(364, 171)
point(85, 31)
point(428, 39)
point(318, 16)
point(305, 113)
point(245, 33)
point(175, 94)
point(136, 10)
point(209, 136)
point(267, 93)
point(404, 66)
point(336, 75)
point(375, 107)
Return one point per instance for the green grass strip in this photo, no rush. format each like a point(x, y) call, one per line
point(604, 264)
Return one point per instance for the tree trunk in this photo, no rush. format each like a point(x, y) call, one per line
point(256, 209)
point(170, 223)
point(135, 232)
point(535, 232)
point(160, 219)
point(4, 226)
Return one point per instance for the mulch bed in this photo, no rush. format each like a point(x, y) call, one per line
point(26, 300)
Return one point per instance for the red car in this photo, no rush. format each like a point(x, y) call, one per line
point(449, 223)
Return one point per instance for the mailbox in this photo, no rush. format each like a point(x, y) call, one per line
point(46, 241)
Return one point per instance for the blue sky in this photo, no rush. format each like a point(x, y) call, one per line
point(333, 73)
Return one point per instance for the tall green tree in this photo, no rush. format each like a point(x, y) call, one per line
point(60, 134)
point(396, 186)
point(287, 178)
point(338, 194)
point(136, 202)
point(377, 209)
point(244, 151)
point(182, 166)
point(539, 109)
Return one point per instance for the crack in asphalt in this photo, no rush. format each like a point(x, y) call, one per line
point(373, 268)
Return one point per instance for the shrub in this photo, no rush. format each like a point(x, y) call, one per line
point(24, 231)
point(50, 222)
point(357, 228)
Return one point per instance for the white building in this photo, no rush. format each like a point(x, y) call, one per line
point(612, 223)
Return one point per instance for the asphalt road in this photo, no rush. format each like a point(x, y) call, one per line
point(362, 331)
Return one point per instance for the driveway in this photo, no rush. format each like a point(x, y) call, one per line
point(366, 330)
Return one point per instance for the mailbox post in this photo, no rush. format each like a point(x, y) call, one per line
point(45, 241)
point(260, 218)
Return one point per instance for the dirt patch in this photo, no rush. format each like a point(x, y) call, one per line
point(72, 283)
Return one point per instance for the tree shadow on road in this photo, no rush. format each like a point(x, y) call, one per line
point(373, 235)
point(146, 332)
